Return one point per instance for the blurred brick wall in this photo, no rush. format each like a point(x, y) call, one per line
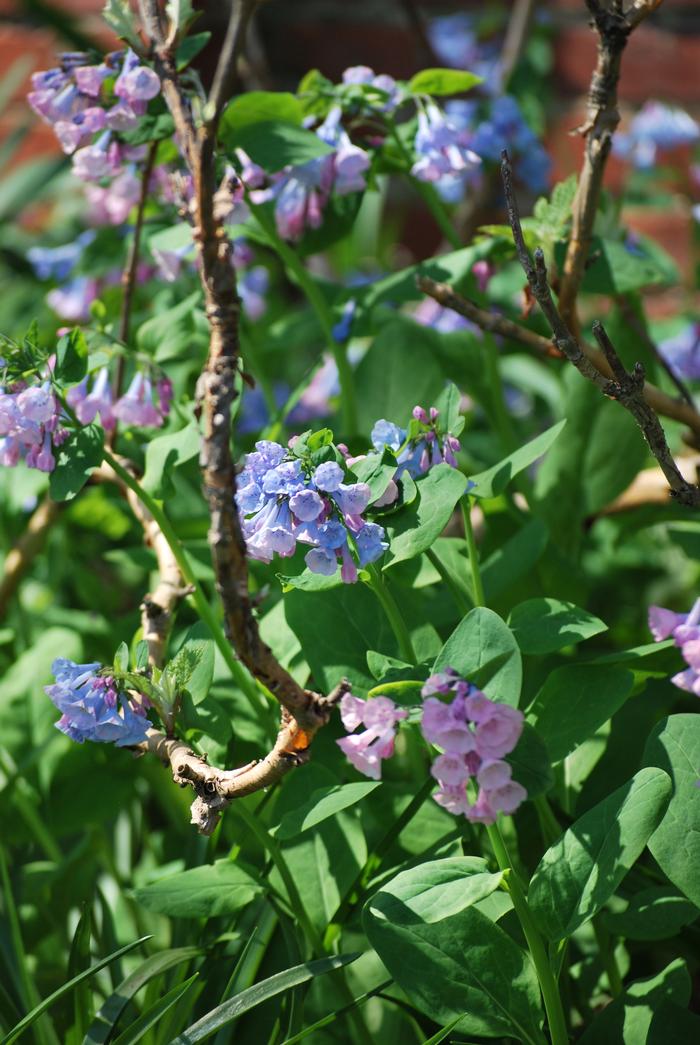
point(661, 61)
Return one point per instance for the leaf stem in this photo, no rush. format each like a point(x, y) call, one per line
point(295, 267)
point(392, 613)
point(477, 583)
point(545, 976)
point(252, 689)
point(448, 580)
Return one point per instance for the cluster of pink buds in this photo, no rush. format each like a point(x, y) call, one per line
point(380, 717)
point(684, 629)
point(137, 406)
point(475, 735)
point(79, 99)
point(29, 426)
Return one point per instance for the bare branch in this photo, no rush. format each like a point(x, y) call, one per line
point(225, 75)
point(626, 388)
point(514, 41)
point(613, 26)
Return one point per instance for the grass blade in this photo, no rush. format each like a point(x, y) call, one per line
point(41, 1008)
point(149, 1018)
point(259, 993)
point(333, 1016)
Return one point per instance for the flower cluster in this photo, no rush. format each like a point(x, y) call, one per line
point(94, 397)
point(454, 40)
point(284, 499)
point(79, 100)
point(684, 629)
point(420, 447)
point(380, 717)
point(300, 193)
point(93, 708)
point(475, 734)
point(655, 127)
point(682, 352)
point(443, 150)
point(29, 426)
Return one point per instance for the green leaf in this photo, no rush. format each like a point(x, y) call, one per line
point(450, 959)
point(546, 625)
point(256, 995)
point(439, 82)
point(614, 269)
point(79, 960)
point(153, 127)
point(180, 12)
point(515, 558)
point(76, 460)
point(140, 1027)
point(65, 988)
point(71, 357)
point(581, 871)
point(192, 667)
point(482, 648)
point(118, 14)
point(401, 368)
point(322, 804)
point(216, 889)
point(652, 914)
point(273, 144)
point(190, 47)
point(675, 747)
point(627, 1020)
point(413, 529)
point(256, 107)
point(111, 1009)
point(164, 454)
point(376, 470)
point(531, 762)
point(494, 480)
point(169, 334)
point(575, 701)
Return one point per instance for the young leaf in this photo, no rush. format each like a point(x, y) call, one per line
point(71, 357)
point(204, 892)
point(439, 82)
point(494, 480)
point(575, 701)
point(321, 804)
point(273, 144)
point(546, 625)
point(675, 747)
point(192, 667)
point(483, 649)
point(255, 107)
point(118, 14)
point(165, 453)
point(581, 871)
point(414, 528)
point(75, 462)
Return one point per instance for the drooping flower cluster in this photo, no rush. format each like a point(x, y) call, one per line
point(29, 426)
point(79, 99)
point(92, 706)
point(419, 447)
point(682, 352)
point(140, 405)
point(388, 91)
point(475, 734)
point(443, 149)
point(455, 42)
point(284, 499)
point(656, 127)
point(684, 629)
point(504, 127)
point(300, 193)
point(380, 717)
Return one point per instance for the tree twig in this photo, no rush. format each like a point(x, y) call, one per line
point(22, 555)
point(626, 388)
point(613, 27)
point(642, 333)
point(225, 74)
point(657, 399)
point(516, 33)
point(415, 20)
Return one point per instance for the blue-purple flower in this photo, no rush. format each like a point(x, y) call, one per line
point(682, 352)
point(419, 448)
point(93, 707)
point(655, 127)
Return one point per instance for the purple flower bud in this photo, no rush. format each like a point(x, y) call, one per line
point(328, 476)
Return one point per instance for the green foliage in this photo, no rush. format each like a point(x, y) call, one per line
point(202, 892)
point(75, 462)
point(483, 649)
point(442, 81)
point(546, 625)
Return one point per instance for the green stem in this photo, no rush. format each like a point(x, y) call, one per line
point(393, 614)
point(242, 678)
point(462, 604)
point(549, 825)
point(606, 950)
point(548, 984)
point(477, 584)
point(429, 193)
point(295, 267)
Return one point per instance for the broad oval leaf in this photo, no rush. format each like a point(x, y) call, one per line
point(439, 82)
point(494, 480)
point(274, 144)
point(414, 529)
point(546, 625)
point(322, 804)
point(653, 914)
point(77, 458)
point(574, 701)
point(581, 871)
point(628, 1019)
point(483, 649)
point(675, 845)
point(457, 965)
point(166, 452)
point(203, 892)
